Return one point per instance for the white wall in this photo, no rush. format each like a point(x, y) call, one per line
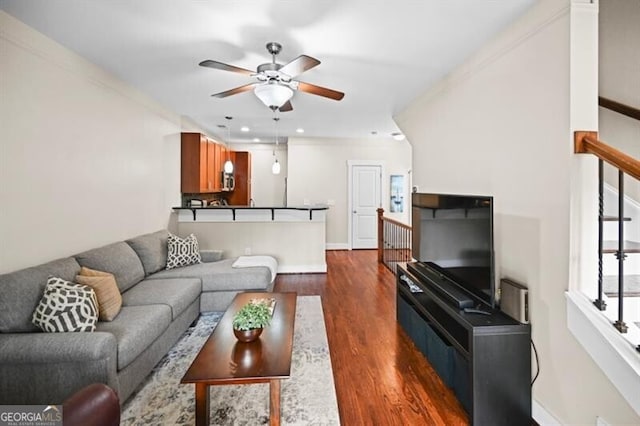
point(620, 81)
point(267, 189)
point(85, 160)
point(298, 246)
point(318, 174)
point(501, 124)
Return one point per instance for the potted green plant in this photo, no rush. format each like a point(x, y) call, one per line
point(249, 321)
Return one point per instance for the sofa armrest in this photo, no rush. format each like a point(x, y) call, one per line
point(96, 405)
point(46, 368)
point(211, 255)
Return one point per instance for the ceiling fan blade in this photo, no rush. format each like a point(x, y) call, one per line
point(235, 91)
point(320, 91)
point(286, 107)
point(299, 65)
point(225, 67)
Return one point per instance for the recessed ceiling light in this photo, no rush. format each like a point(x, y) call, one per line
point(244, 129)
point(397, 136)
point(256, 139)
point(300, 130)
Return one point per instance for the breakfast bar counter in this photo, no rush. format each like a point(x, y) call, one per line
point(251, 213)
point(295, 236)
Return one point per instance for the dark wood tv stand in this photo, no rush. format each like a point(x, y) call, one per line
point(485, 359)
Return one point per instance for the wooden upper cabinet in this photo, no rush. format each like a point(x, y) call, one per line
point(213, 169)
point(200, 169)
point(203, 181)
point(223, 157)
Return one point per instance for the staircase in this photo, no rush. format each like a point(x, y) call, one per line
point(631, 253)
point(618, 294)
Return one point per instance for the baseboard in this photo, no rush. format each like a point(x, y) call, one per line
point(303, 269)
point(542, 416)
point(337, 246)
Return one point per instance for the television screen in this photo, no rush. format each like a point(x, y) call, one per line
point(453, 234)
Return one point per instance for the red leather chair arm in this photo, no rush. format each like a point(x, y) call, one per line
point(94, 405)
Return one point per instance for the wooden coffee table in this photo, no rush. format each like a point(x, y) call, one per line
point(223, 360)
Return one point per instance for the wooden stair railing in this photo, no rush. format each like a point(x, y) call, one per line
point(587, 143)
point(394, 242)
point(623, 109)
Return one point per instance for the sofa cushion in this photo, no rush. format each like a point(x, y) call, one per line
point(135, 329)
point(66, 306)
point(178, 294)
point(21, 291)
point(107, 292)
point(118, 259)
point(220, 276)
point(182, 251)
point(151, 249)
point(211, 255)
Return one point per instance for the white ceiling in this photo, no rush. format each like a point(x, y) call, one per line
point(380, 53)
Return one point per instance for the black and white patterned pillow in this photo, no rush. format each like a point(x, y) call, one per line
point(66, 306)
point(182, 251)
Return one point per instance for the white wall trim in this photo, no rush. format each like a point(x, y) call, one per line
point(615, 356)
point(350, 165)
point(542, 416)
point(338, 246)
point(302, 269)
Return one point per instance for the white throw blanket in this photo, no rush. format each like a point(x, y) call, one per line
point(252, 261)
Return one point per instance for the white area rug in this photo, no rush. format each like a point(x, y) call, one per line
point(308, 397)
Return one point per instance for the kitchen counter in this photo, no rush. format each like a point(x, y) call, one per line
point(251, 213)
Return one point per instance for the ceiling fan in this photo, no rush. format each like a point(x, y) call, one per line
point(275, 85)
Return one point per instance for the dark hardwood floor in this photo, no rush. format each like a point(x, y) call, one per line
point(380, 376)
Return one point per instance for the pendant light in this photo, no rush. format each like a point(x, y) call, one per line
point(275, 168)
point(228, 165)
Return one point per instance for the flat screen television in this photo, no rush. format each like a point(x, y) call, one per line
point(453, 235)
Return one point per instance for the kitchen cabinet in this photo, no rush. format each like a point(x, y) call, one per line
point(200, 164)
point(241, 195)
point(213, 166)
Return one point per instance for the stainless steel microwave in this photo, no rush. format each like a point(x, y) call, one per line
point(228, 182)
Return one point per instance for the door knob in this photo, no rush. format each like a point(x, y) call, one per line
point(355, 212)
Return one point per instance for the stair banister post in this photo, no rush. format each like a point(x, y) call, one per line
point(380, 211)
point(599, 302)
point(620, 324)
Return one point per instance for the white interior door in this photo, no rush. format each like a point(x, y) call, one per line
point(365, 202)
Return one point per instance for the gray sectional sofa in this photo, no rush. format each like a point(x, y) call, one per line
point(158, 306)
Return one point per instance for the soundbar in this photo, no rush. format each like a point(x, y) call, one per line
point(442, 286)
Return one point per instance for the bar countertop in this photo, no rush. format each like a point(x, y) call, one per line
point(208, 210)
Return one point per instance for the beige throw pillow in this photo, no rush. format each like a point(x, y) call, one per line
point(106, 289)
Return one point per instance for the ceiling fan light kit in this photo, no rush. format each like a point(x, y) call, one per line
point(273, 95)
